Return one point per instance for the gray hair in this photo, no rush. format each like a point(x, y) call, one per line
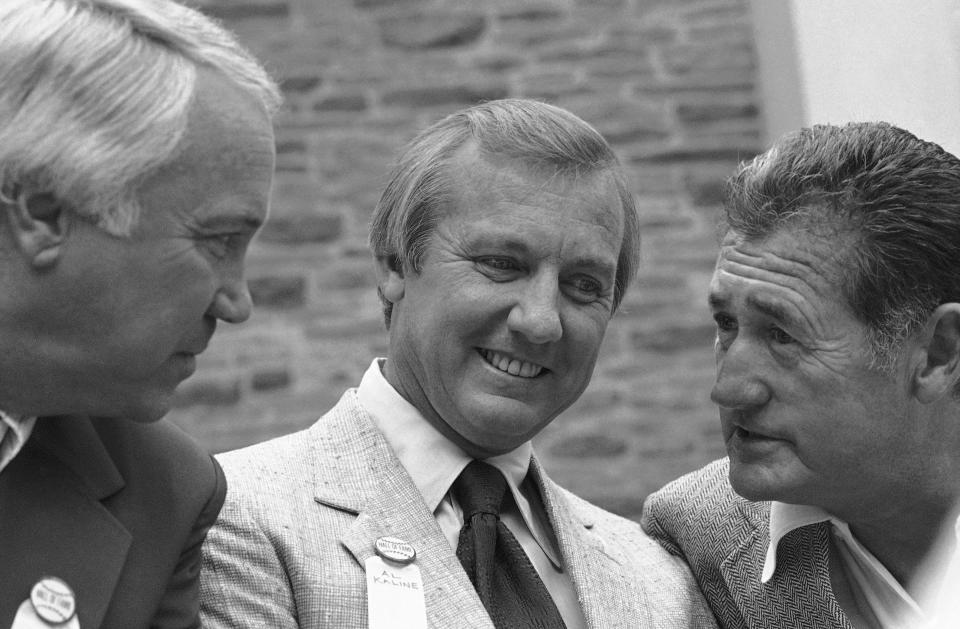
point(95, 95)
point(536, 134)
point(896, 196)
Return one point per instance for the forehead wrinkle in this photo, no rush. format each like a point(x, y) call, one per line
point(777, 302)
point(795, 280)
point(782, 278)
point(822, 251)
point(804, 263)
point(513, 182)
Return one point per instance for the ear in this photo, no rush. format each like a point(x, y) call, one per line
point(390, 278)
point(938, 371)
point(38, 224)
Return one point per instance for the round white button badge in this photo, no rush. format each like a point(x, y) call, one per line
point(53, 600)
point(396, 550)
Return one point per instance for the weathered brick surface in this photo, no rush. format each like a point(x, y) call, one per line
point(671, 83)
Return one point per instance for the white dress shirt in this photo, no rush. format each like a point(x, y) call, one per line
point(941, 581)
point(14, 432)
point(434, 463)
point(871, 582)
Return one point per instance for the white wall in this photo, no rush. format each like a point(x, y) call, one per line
point(841, 60)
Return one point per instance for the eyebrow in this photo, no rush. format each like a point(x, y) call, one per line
point(770, 307)
point(246, 220)
point(716, 301)
point(773, 309)
point(520, 247)
point(603, 268)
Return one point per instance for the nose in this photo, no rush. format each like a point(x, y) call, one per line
point(739, 385)
point(536, 315)
point(232, 303)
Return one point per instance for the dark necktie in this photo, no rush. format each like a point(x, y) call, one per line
point(508, 584)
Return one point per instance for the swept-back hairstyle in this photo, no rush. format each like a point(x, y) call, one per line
point(895, 198)
point(536, 134)
point(95, 95)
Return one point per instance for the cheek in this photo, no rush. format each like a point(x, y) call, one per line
point(586, 330)
point(582, 339)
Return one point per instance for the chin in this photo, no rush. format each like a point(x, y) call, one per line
point(753, 483)
point(147, 411)
point(480, 447)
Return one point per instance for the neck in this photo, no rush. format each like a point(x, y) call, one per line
point(903, 544)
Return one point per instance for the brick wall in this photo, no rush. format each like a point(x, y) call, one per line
point(671, 84)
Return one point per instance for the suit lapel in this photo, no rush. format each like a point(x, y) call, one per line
point(799, 594)
point(52, 522)
point(355, 471)
point(608, 596)
point(741, 571)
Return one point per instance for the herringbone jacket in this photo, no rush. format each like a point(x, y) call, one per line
point(303, 513)
point(724, 539)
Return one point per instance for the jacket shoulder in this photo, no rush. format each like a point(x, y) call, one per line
point(699, 514)
point(160, 457)
point(703, 496)
point(287, 455)
point(622, 538)
point(631, 559)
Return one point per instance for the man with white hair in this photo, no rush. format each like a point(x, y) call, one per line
point(136, 162)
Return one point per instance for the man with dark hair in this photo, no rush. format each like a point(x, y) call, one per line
point(837, 304)
point(504, 242)
point(136, 159)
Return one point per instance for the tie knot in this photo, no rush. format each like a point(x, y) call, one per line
point(479, 489)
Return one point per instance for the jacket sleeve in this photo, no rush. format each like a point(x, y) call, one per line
point(654, 510)
point(244, 582)
point(180, 605)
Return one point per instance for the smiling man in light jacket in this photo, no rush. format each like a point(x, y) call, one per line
point(504, 243)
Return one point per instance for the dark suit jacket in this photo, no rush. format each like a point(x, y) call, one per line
point(724, 539)
point(116, 509)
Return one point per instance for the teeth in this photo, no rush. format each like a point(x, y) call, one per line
point(512, 366)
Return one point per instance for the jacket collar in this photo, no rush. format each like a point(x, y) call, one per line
point(50, 496)
point(378, 490)
point(75, 442)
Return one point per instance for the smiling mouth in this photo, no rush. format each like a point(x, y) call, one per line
point(512, 366)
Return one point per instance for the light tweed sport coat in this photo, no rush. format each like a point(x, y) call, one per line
point(724, 538)
point(303, 513)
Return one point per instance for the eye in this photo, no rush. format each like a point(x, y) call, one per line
point(501, 264)
point(725, 323)
point(583, 288)
point(780, 337)
point(726, 328)
point(220, 245)
point(587, 285)
point(498, 268)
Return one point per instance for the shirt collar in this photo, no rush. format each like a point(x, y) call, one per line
point(941, 579)
point(14, 431)
point(410, 436)
point(785, 518)
point(888, 600)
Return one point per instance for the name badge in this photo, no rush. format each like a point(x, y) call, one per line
point(28, 618)
point(394, 595)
